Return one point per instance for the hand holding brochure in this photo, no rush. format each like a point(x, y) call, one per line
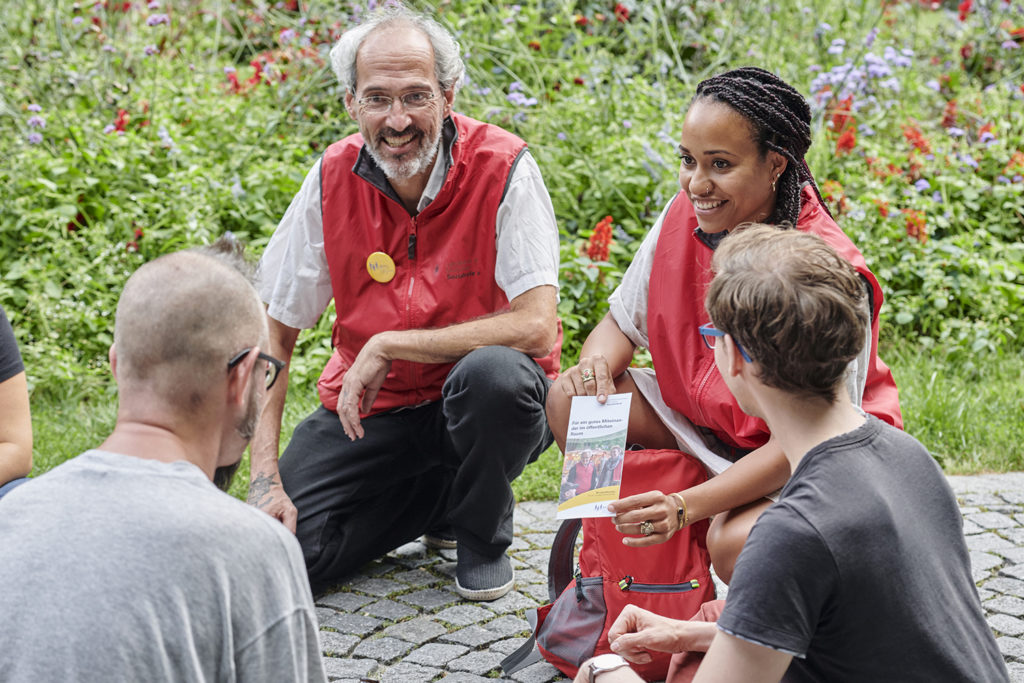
point(594, 447)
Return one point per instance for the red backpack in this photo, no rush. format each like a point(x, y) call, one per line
point(672, 579)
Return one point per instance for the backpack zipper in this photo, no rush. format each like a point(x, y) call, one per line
point(626, 583)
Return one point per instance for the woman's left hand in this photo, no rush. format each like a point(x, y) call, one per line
point(632, 513)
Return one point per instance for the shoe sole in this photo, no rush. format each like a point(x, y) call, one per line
point(438, 543)
point(484, 594)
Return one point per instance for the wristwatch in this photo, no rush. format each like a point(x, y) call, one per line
point(603, 663)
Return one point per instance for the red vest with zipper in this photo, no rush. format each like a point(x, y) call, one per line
point(444, 258)
point(689, 381)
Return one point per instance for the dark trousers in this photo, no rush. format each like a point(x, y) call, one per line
point(417, 469)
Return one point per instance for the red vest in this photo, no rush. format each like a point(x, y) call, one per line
point(444, 257)
point(689, 381)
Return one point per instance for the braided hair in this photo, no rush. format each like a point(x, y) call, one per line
point(781, 122)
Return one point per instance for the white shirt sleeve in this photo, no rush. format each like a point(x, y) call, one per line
point(527, 235)
point(293, 278)
point(628, 303)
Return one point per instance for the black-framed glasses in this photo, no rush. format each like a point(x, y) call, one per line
point(709, 332)
point(274, 366)
point(411, 101)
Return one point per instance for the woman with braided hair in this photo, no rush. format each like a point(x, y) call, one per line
point(742, 153)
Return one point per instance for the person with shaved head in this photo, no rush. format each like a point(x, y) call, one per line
point(126, 563)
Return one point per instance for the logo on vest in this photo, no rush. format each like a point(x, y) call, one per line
point(462, 268)
point(380, 266)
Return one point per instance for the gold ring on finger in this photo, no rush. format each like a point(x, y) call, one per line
point(587, 375)
point(647, 527)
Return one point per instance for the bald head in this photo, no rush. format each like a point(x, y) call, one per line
point(179, 320)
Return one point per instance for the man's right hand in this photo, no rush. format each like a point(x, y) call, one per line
point(267, 494)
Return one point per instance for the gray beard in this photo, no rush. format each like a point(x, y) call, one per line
point(407, 168)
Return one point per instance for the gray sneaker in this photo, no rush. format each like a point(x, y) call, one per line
point(481, 578)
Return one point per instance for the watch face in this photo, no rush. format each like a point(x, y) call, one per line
point(608, 661)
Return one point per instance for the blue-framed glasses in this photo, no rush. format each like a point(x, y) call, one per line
point(709, 332)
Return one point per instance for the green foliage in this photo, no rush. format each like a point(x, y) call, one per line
point(159, 128)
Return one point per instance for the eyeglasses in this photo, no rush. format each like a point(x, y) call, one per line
point(411, 101)
point(709, 332)
point(274, 366)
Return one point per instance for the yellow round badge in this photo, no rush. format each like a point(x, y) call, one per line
point(380, 266)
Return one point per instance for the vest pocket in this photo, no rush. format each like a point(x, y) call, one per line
point(576, 621)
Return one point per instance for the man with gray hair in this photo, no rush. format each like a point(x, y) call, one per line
point(126, 563)
point(435, 235)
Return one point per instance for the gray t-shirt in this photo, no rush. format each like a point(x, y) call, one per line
point(116, 568)
point(861, 572)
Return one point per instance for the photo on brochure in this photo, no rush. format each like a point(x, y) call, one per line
point(594, 448)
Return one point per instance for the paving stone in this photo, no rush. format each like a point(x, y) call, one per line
point(988, 542)
point(971, 528)
point(518, 544)
point(1005, 605)
point(323, 614)
point(1015, 571)
point(473, 636)
point(389, 609)
point(983, 500)
point(450, 554)
point(1013, 497)
point(379, 587)
point(436, 654)
point(344, 601)
point(406, 672)
point(417, 631)
point(535, 558)
point(416, 577)
point(356, 624)
point(428, 598)
point(511, 602)
point(464, 615)
point(992, 520)
point(530, 576)
point(541, 672)
point(384, 649)
point(476, 662)
point(1016, 671)
point(379, 567)
point(537, 591)
point(508, 626)
point(984, 595)
point(1006, 585)
point(337, 644)
point(1012, 554)
point(507, 646)
point(410, 550)
point(1006, 625)
point(1011, 647)
point(980, 560)
point(413, 562)
point(539, 540)
point(463, 677)
point(445, 568)
point(341, 668)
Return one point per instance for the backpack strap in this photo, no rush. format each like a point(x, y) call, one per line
point(560, 561)
point(527, 653)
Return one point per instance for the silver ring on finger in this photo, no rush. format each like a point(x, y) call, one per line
point(647, 527)
point(587, 375)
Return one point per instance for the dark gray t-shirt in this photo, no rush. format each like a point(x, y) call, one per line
point(10, 359)
point(861, 571)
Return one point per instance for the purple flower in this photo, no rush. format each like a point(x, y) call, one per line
point(987, 136)
point(34, 138)
point(286, 36)
point(1010, 45)
point(157, 19)
point(150, 50)
point(229, 70)
point(515, 86)
point(520, 99)
point(482, 91)
point(955, 132)
point(108, 129)
point(36, 122)
point(563, 136)
point(836, 48)
point(76, 21)
point(937, 197)
point(1018, 177)
point(627, 124)
point(1002, 179)
point(869, 40)
point(34, 107)
point(934, 85)
point(107, 47)
point(922, 185)
point(865, 130)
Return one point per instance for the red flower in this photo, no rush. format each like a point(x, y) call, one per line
point(916, 138)
point(579, 81)
point(534, 45)
point(832, 192)
point(621, 13)
point(916, 225)
point(841, 114)
point(965, 9)
point(949, 115)
point(847, 140)
point(138, 233)
point(883, 207)
point(581, 20)
point(121, 122)
point(236, 87)
point(1022, 87)
point(131, 247)
point(600, 240)
point(257, 74)
point(966, 51)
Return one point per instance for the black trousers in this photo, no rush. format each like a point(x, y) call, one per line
point(416, 469)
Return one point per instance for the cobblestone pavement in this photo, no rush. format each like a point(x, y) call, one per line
point(401, 621)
